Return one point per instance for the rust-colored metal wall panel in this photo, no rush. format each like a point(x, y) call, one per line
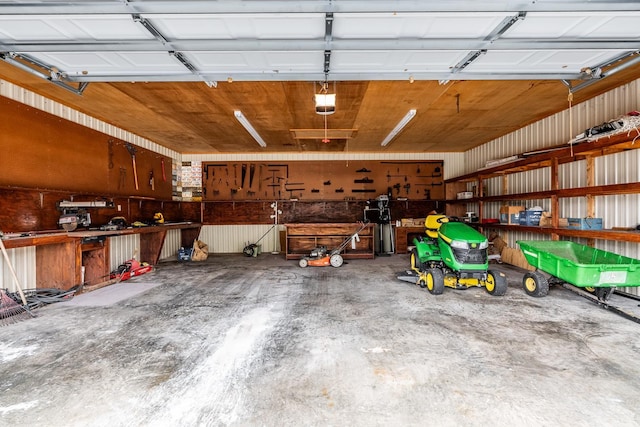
point(43, 151)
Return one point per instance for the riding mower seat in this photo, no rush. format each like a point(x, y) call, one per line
point(433, 223)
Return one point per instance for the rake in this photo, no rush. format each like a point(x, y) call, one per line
point(11, 311)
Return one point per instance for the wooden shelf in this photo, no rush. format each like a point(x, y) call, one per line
point(302, 238)
point(627, 236)
point(551, 159)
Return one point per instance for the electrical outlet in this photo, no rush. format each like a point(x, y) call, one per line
point(119, 208)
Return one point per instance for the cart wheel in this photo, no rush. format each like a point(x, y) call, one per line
point(435, 281)
point(535, 284)
point(416, 264)
point(422, 283)
point(336, 260)
point(496, 283)
point(303, 262)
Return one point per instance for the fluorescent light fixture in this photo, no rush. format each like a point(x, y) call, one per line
point(325, 103)
point(244, 122)
point(401, 124)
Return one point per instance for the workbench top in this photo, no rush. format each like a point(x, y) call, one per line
point(39, 238)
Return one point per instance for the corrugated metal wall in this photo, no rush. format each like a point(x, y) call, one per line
point(123, 248)
point(23, 261)
point(616, 211)
point(171, 245)
point(233, 238)
point(558, 128)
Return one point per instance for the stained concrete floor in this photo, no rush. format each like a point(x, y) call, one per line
point(261, 342)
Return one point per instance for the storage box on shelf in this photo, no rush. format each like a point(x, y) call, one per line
point(530, 218)
point(584, 223)
point(554, 225)
point(510, 214)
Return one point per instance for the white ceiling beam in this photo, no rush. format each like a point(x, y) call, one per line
point(319, 76)
point(309, 6)
point(288, 45)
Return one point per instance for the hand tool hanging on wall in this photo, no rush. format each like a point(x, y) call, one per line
point(164, 174)
point(365, 180)
point(132, 151)
point(252, 172)
point(110, 153)
point(244, 174)
point(285, 166)
point(363, 170)
point(152, 181)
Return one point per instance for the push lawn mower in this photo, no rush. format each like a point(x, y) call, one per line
point(321, 257)
point(453, 255)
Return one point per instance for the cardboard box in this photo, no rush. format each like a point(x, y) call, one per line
point(465, 195)
point(530, 218)
point(419, 222)
point(585, 223)
point(545, 221)
point(510, 214)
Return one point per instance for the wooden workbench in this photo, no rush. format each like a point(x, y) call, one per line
point(61, 255)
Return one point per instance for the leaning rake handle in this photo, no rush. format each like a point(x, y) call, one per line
point(132, 151)
point(13, 272)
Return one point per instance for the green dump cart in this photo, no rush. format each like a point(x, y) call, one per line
point(579, 265)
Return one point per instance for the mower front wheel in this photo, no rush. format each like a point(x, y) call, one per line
point(435, 281)
point(416, 264)
point(535, 284)
point(303, 262)
point(496, 283)
point(336, 260)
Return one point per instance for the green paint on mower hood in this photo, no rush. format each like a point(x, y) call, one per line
point(461, 231)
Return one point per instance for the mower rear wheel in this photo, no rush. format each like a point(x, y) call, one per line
point(535, 284)
point(303, 262)
point(249, 250)
point(435, 281)
point(496, 283)
point(336, 260)
point(416, 264)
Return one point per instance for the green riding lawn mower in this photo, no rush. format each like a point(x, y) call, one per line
point(454, 255)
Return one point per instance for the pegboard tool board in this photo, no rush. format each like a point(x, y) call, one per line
point(323, 180)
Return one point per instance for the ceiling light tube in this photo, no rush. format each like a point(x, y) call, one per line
point(401, 124)
point(244, 122)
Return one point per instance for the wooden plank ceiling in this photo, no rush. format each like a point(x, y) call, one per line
point(455, 111)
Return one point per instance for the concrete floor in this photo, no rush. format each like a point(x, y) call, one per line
point(261, 342)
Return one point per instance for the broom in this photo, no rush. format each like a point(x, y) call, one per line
point(11, 311)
